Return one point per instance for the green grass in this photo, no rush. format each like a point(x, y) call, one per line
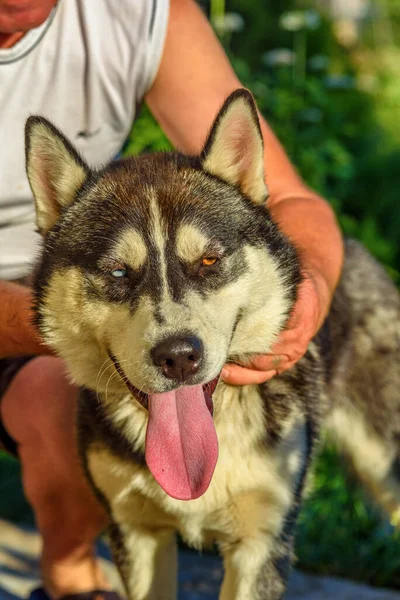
point(341, 532)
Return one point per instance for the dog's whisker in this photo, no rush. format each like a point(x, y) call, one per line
point(104, 363)
point(108, 382)
point(103, 370)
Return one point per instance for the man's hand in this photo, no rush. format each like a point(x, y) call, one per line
point(307, 316)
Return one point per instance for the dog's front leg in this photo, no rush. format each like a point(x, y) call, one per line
point(257, 537)
point(257, 560)
point(142, 536)
point(254, 572)
point(147, 561)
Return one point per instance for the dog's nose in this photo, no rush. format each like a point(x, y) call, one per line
point(179, 357)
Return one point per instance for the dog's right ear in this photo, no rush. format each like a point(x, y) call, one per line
point(234, 150)
point(54, 168)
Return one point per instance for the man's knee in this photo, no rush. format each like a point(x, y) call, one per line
point(39, 400)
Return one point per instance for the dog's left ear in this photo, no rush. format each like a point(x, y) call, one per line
point(54, 168)
point(234, 150)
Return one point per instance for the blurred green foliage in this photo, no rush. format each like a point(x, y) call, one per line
point(337, 112)
point(325, 124)
point(340, 530)
point(13, 505)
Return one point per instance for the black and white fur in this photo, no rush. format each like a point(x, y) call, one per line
point(158, 215)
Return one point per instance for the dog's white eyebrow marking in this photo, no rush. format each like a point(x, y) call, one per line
point(159, 237)
point(131, 249)
point(191, 243)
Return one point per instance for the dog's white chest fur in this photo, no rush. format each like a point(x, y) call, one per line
point(245, 465)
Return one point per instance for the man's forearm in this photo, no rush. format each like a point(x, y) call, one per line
point(311, 225)
point(18, 336)
point(305, 217)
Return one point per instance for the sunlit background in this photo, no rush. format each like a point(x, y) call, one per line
point(326, 74)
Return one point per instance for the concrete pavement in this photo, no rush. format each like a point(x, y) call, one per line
point(199, 576)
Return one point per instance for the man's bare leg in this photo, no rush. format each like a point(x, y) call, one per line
point(38, 411)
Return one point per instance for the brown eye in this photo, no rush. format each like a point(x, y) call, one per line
point(209, 261)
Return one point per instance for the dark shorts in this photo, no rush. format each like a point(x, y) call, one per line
point(9, 367)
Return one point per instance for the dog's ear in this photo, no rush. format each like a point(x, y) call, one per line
point(54, 168)
point(234, 150)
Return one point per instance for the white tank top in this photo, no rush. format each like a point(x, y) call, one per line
point(87, 69)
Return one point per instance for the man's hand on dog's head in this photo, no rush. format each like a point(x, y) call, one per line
point(307, 317)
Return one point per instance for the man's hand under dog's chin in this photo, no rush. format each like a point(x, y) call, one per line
point(308, 314)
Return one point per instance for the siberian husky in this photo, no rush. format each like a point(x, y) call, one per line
point(155, 272)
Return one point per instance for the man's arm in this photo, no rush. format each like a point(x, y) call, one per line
point(17, 334)
point(194, 79)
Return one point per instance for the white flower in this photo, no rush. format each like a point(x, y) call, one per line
point(292, 21)
point(229, 22)
point(295, 20)
point(279, 57)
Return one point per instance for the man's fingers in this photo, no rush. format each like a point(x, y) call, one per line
point(236, 375)
point(268, 362)
point(266, 368)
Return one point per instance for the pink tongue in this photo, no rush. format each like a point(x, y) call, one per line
point(181, 442)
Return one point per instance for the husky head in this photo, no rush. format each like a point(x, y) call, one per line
point(158, 269)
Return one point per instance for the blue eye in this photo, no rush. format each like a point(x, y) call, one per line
point(119, 273)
